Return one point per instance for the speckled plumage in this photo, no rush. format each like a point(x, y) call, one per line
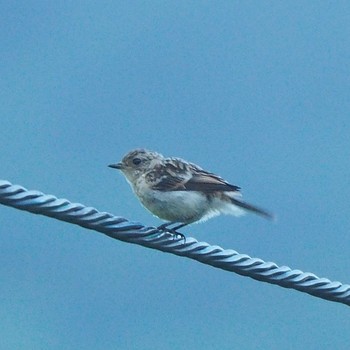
point(178, 191)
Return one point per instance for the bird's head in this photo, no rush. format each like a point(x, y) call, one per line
point(136, 163)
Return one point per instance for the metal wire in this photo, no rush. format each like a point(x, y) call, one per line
point(133, 232)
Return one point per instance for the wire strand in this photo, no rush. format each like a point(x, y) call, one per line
point(133, 232)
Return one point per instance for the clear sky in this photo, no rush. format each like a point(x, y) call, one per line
point(256, 91)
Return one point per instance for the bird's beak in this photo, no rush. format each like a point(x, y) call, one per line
point(118, 166)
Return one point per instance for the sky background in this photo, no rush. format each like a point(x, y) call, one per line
point(256, 91)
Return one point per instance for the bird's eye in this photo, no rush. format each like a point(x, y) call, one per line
point(136, 161)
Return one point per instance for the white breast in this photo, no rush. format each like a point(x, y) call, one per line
point(178, 206)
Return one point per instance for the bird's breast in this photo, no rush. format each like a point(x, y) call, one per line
point(179, 206)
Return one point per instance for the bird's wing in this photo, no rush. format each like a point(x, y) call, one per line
point(177, 175)
point(169, 175)
point(208, 183)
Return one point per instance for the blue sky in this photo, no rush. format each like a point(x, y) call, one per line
point(255, 91)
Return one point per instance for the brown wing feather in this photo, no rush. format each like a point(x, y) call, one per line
point(170, 184)
point(169, 176)
point(208, 183)
point(202, 181)
point(177, 175)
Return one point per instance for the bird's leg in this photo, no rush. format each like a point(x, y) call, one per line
point(164, 228)
point(178, 226)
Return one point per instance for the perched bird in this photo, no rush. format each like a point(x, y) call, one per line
point(180, 192)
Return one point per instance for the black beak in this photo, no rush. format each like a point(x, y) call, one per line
point(116, 166)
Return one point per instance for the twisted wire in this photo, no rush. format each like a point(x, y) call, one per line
point(133, 232)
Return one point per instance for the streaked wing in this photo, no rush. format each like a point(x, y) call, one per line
point(167, 183)
point(176, 175)
point(170, 175)
point(208, 183)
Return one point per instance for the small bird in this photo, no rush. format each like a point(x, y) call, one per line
point(180, 192)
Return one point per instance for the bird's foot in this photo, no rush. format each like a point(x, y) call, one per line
point(177, 234)
point(173, 231)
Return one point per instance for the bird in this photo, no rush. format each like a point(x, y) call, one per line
point(180, 192)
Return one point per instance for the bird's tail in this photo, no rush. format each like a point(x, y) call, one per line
point(252, 208)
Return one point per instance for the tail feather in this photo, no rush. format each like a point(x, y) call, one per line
point(252, 208)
